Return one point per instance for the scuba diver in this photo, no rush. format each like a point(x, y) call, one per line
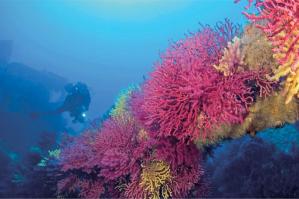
point(76, 103)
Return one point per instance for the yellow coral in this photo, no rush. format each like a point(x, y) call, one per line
point(265, 113)
point(290, 65)
point(155, 179)
point(54, 153)
point(232, 58)
point(271, 112)
point(292, 85)
point(257, 50)
point(120, 106)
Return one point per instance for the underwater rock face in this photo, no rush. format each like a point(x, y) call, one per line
point(23, 92)
point(254, 167)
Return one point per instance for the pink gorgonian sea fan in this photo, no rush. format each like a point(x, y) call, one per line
point(77, 153)
point(185, 170)
point(120, 148)
point(228, 102)
point(249, 2)
point(78, 176)
point(185, 162)
point(111, 164)
point(110, 159)
point(186, 97)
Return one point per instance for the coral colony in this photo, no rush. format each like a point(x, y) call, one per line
point(215, 84)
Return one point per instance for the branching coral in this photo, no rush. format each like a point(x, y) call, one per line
point(200, 91)
point(290, 67)
point(232, 98)
point(271, 112)
point(226, 31)
point(119, 148)
point(185, 96)
point(185, 166)
point(134, 190)
point(85, 188)
point(249, 2)
point(54, 153)
point(78, 153)
point(232, 58)
point(155, 179)
point(77, 172)
point(173, 170)
point(282, 29)
point(115, 158)
point(120, 106)
point(265, 113)
point(112, 155)
point(253, 52)
point(128, 163)
point(257, 50)
point(169, 103)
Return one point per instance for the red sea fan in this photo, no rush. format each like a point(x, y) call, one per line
point(186, 173)
point(134, 190)
point(185, 164)
point(170, 102)
point(118, 148)
point(185, 96)
point(249, 2)
point(87, 188)
point(203, 47)
point(77, 154)
point(172, 98)
point(115, 158)
point(91, 189)
point(229, 101)
point(112, 157)
point(226, 32)
point(282, 16)
point(78, 175)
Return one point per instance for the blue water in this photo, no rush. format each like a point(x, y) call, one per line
point(108, 44)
